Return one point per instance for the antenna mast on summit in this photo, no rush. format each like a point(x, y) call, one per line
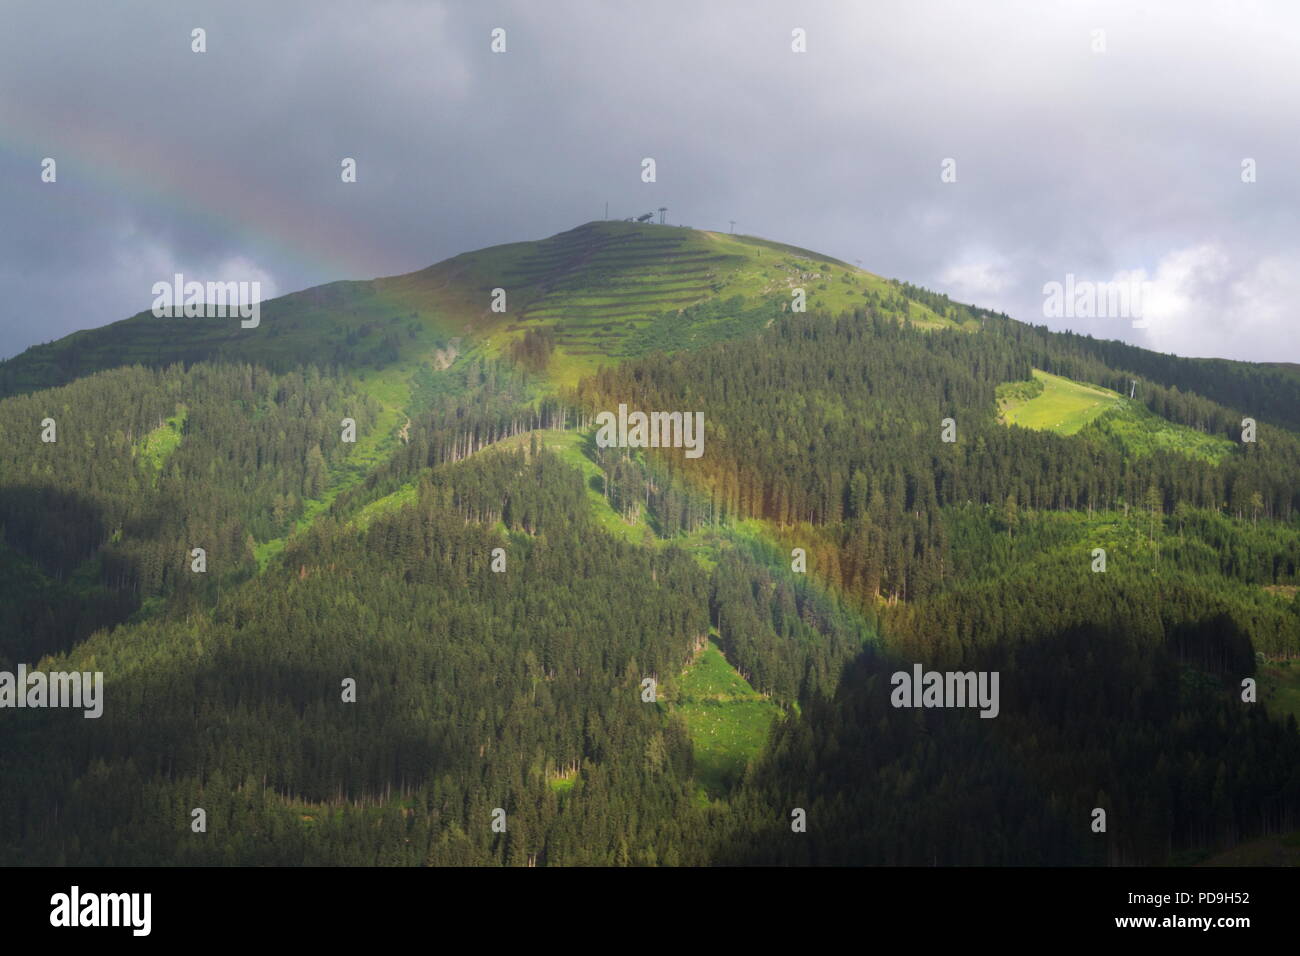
point(733, 226)
point(662, 210)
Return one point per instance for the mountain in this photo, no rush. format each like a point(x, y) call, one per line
point(604, 290)
point(378, 650)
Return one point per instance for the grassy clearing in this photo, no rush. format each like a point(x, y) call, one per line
point(1061, 406)
point(727, 719)
point(156, 447)
point(562, 782)
point(1052, 403)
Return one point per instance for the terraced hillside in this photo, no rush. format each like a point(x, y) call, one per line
point(602, 291)
point(610, 290)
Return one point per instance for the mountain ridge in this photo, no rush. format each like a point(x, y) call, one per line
point(597, 282)
point(599, 293)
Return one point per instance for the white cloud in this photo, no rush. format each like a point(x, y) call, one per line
point(976, 280)
point(1070, 162)
point(242, 269)
point(1205, 300)
point(141, 260)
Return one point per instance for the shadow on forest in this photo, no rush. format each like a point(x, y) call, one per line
point(1086, 714)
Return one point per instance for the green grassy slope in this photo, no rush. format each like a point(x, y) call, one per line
point(1056, 404)
point(157, 446)
point(608, 290)
point(1061, 406)
point(727, 719)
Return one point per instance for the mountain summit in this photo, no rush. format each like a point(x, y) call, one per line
point(600, 292)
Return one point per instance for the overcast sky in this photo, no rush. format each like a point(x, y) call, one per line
point(1117, 165)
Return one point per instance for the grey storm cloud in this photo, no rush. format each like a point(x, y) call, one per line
point(1122, 164)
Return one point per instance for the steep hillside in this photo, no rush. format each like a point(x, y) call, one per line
point(496, 588)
